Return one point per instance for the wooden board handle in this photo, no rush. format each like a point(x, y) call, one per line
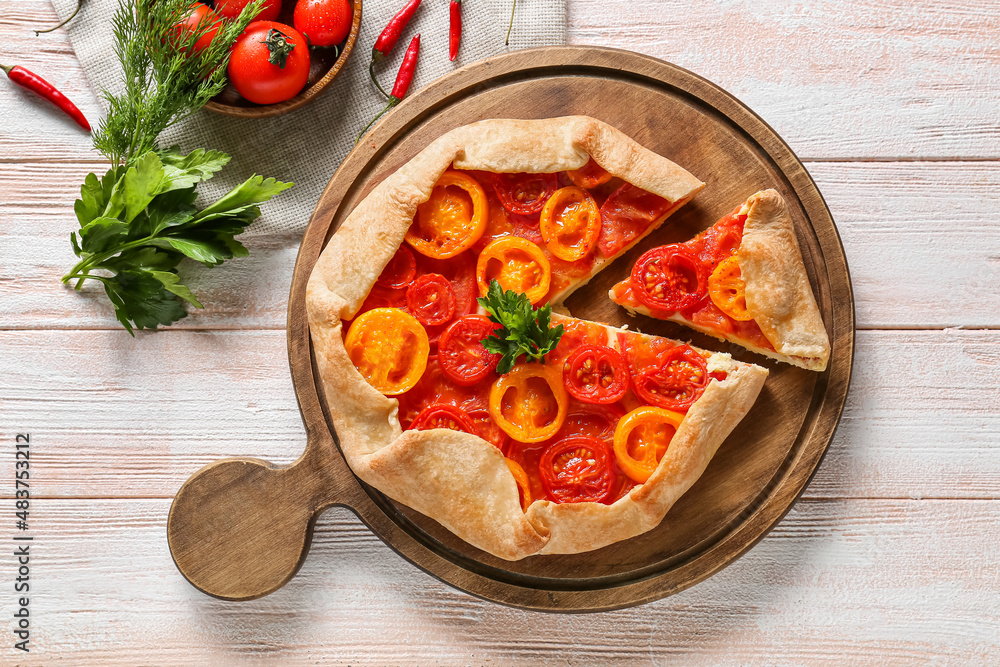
point(240, 528)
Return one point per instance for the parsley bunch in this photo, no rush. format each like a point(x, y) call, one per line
point(139, 220)
point(526, 330)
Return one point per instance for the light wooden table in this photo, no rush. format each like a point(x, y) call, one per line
point(889, 557)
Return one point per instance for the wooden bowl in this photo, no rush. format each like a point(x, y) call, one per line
point(323, 69)
point(240, 528)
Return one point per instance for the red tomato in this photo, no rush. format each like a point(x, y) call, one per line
point(524, 194)
point(706, 314)
point(577, 469)
point(400, 270)
point(625, 216)
point(461, 272)
point(641, 352)
point(324, 22)
point(721, 239)
point(487, 429)
point(596, 374)
point(441, 415)
point(257, 79)
point(200, 17)
point(231, 9)
point(461, 353)
point(576, 333)
point(669, 277)
point(431, 299)
point(677, 383)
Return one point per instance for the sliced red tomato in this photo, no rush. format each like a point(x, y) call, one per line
point(577, 469)
point(589, 176)
point(461, 272)
point(641, 351)
point(487, 429)
point(524, 194)
point(461, 353)
point(626, 215)
point(677, 383)
point(706, 314)
point(669, 277)
point(721, 240)
point(575, 333)
point(384, 297)
point(400, 270)
point(596, 374)
point(442, 415)
point(436, 387)
point(431, 299)
point(596, 421)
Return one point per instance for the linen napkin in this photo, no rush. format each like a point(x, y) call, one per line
point(307, 145)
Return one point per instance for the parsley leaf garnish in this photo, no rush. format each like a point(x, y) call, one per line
point(139, 222)
point(526, 329)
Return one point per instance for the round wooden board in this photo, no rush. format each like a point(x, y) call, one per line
point(755, 477)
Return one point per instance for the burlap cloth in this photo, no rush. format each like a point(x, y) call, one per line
point(307, 145)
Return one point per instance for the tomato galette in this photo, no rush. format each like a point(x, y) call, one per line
point(452, 387)
point(741, 280)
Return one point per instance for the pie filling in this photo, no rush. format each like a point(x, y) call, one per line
point(593, 420)
point(697, 282)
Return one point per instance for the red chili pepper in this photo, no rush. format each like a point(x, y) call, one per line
point(389, 37)
point(455, 36)
point(403, 80)
point(37, 84)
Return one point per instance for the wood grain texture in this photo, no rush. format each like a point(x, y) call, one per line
point(846, 79)
point(836, 582)
point(120, 417)
point(892, 217)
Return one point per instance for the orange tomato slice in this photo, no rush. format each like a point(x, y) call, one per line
point(571, 223)
point(530, 402)
point(389, 348)
point(642, 438)
point(589, 176)
point(518, 265)
point(452, 219)
point(728, 291)
point(523, 485)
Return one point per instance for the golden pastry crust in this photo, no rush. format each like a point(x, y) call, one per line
point(778, 294)
point(458, 479)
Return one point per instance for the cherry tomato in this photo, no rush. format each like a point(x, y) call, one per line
point(324, 22)
point(523, 485)
point(452, 219)
point(669, 277)
point(728, 291)
point(231, 9)
point(257, 79)
point(435, 387)
point(431, 299)
point(677, 383)
point(596, 374)
point(589, 176)
point(524, 193)
point(626, 215)
point(596, 421)
point(400, 270)
point(389, 348)
point(199, 17)
point(461, 353)
point(518, 265)
point(501, 222)
point(530, 402)
point(721, 239)
point(570, 223)
point(577, 469)
point(461, 272)
point(442, 415)
point(641, 439)
point(575, 333)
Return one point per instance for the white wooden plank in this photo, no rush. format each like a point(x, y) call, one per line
point(849, 78)
point(920, 239)
point(836, 582)
point(113, 416)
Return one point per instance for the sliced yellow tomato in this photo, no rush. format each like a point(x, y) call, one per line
point(530, 402)
point(389, 347)
point(452, 219)
point(589, 176)
point(728, 291)
point(518, 265)
point(570, 223)
point(523, 485)
point(641, 440)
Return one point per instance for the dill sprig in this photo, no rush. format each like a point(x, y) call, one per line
point(166, 80)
